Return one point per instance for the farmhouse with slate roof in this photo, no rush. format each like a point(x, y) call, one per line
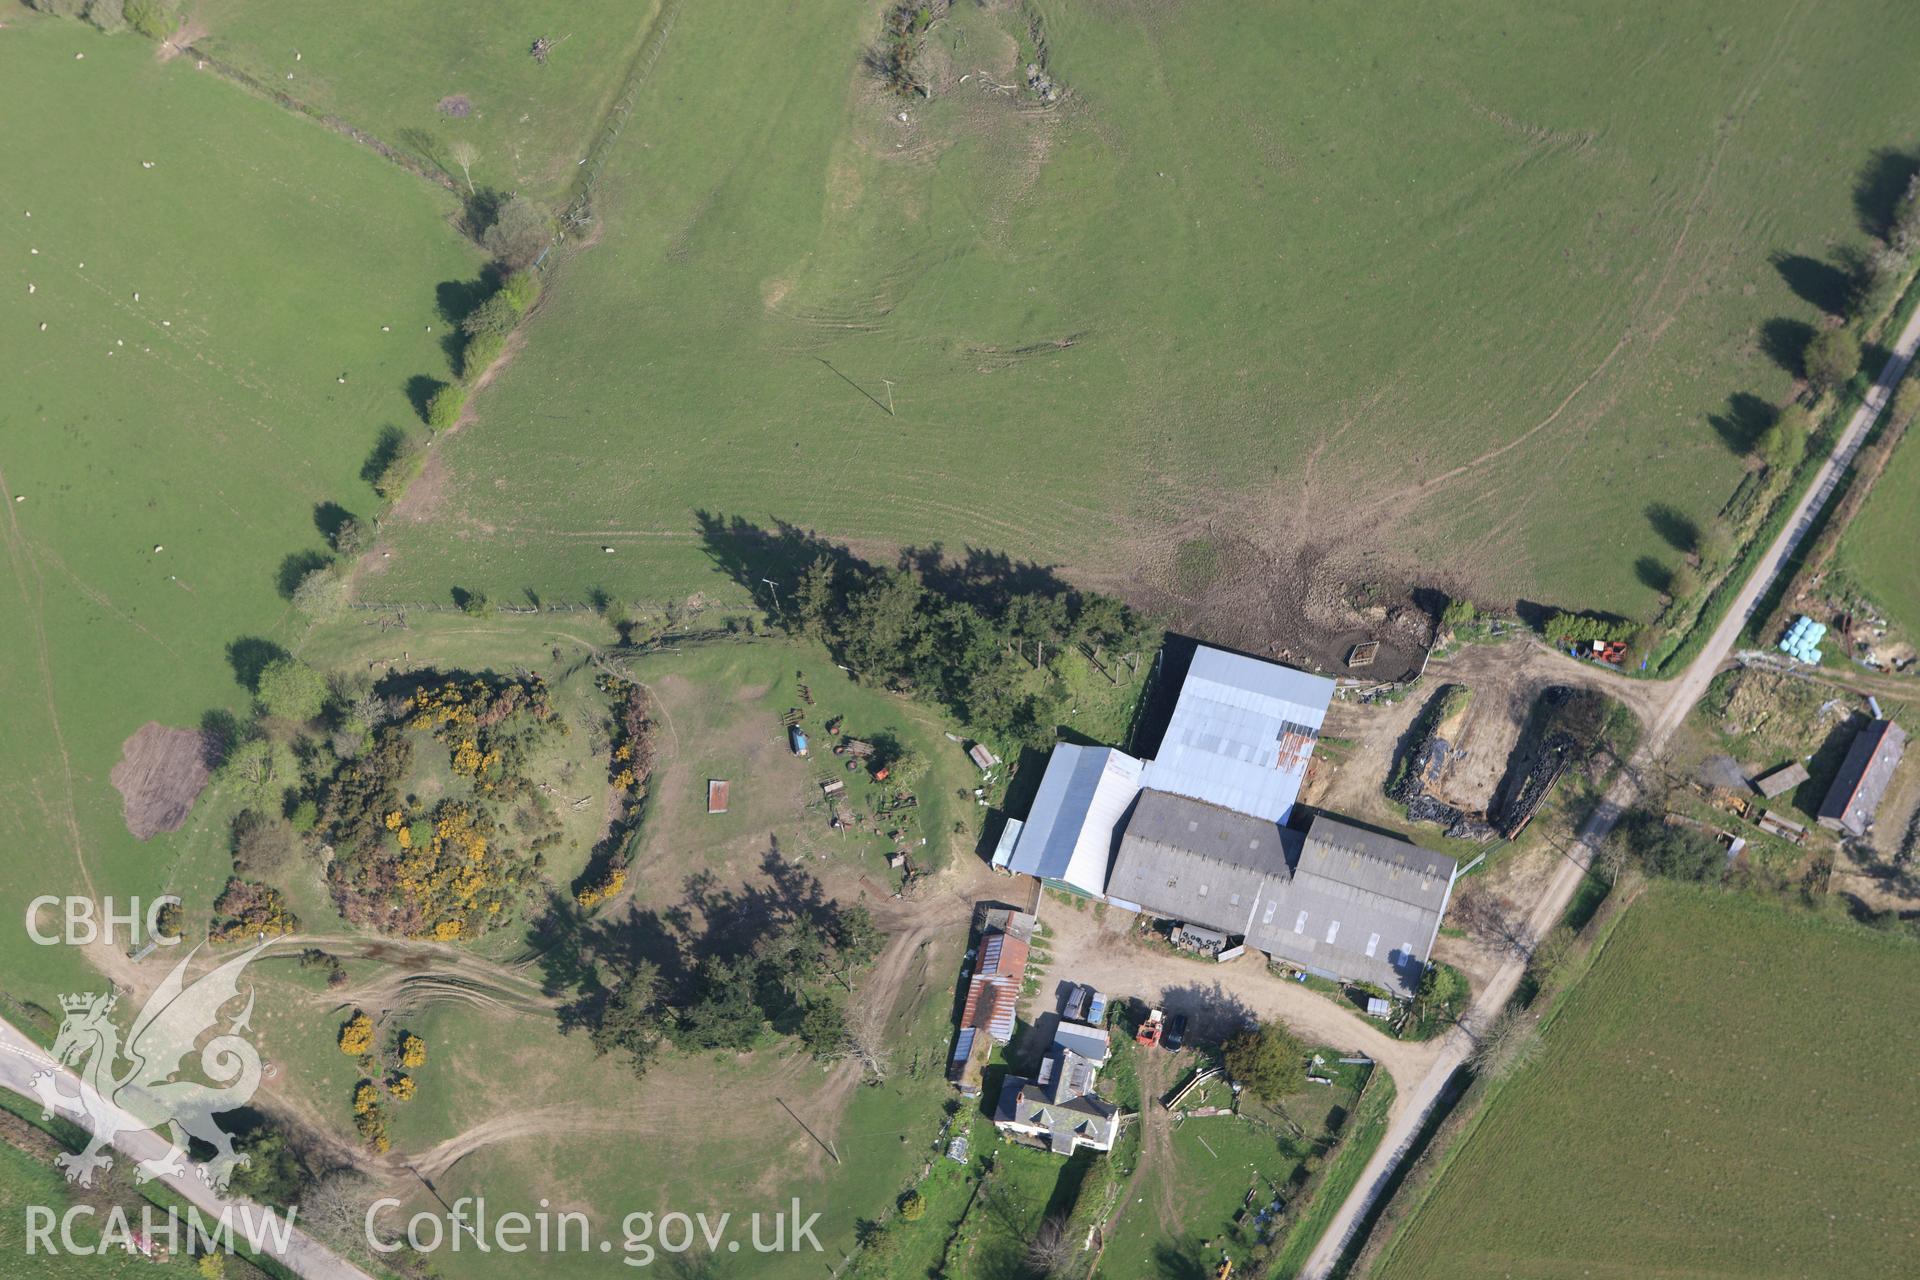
point(1058, 1108)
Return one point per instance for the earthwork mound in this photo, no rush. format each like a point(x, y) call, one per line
point(160, 774)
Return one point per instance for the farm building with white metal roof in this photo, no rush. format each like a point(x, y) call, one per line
point(1241, 734)
point(1069, 834)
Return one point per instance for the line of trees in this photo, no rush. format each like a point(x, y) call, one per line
point(978, 657)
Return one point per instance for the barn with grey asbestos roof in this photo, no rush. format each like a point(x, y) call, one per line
point(1337, 900)
point(1198, 834)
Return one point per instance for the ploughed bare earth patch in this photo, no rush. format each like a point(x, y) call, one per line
point(160, 774)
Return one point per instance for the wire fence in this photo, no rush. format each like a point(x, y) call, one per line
point(579, 211)
point(413, 164)
point(444, 606)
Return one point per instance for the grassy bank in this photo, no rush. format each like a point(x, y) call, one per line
point(1363, 1135)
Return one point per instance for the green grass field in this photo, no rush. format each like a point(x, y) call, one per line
point(1461, 287)
point(399, 71)
point(26, 1181)
point(1877, 549)
point(204, 418)
point(1718, 1096)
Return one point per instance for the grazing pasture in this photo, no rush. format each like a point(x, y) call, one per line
point(226, 332)
point(1877, 549)
point(1720, 1095)
point(1463, 290)
point(424, 78)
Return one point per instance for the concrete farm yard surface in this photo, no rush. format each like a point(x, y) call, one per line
point(1453, 288)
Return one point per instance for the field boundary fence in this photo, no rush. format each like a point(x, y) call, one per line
point(579, 210)
point(444, 606)
point(253, 84)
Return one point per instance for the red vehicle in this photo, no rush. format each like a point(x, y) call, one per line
point(1149, 1033)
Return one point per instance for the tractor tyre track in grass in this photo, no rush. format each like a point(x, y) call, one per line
point(32, 595)
point(1724, 129)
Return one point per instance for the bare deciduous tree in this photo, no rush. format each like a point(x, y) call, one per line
point(1509, 1041)
point(334, 1208)
point(1613, 859)
point(1492, 919)
point(865, 1042)
point(1051, 1249)
point(1551, 953)
point(464, 153)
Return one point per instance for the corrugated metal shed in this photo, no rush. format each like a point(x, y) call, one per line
point(1009, 837)
point(1090, 1043)
point(1069, 834)
point(1241, 733)
point(1000, 954)
point(1343, 901)
point(1362, 906)
point(1785, 778)
point(993, 993)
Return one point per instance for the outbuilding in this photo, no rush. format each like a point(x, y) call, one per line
point(1862, 781)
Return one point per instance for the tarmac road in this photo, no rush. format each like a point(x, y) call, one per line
point(21, 1059)
point(1680, 698)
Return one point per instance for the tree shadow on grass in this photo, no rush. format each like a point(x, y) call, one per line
point(1746, 419)
point(711, 922)
point(420, 389)
point(1825, 285)
point(458, 299)
point(1653, 575)
point(1674, 526)
point(220, 732)
point(1784, 342)
point(988, 580)
point(1873, 358)
point(330, 518)
point(387, 446)
point(767, 561)
point(249, 656)
point(1181, 1260)
point(296, 567)
point(1879, 186)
